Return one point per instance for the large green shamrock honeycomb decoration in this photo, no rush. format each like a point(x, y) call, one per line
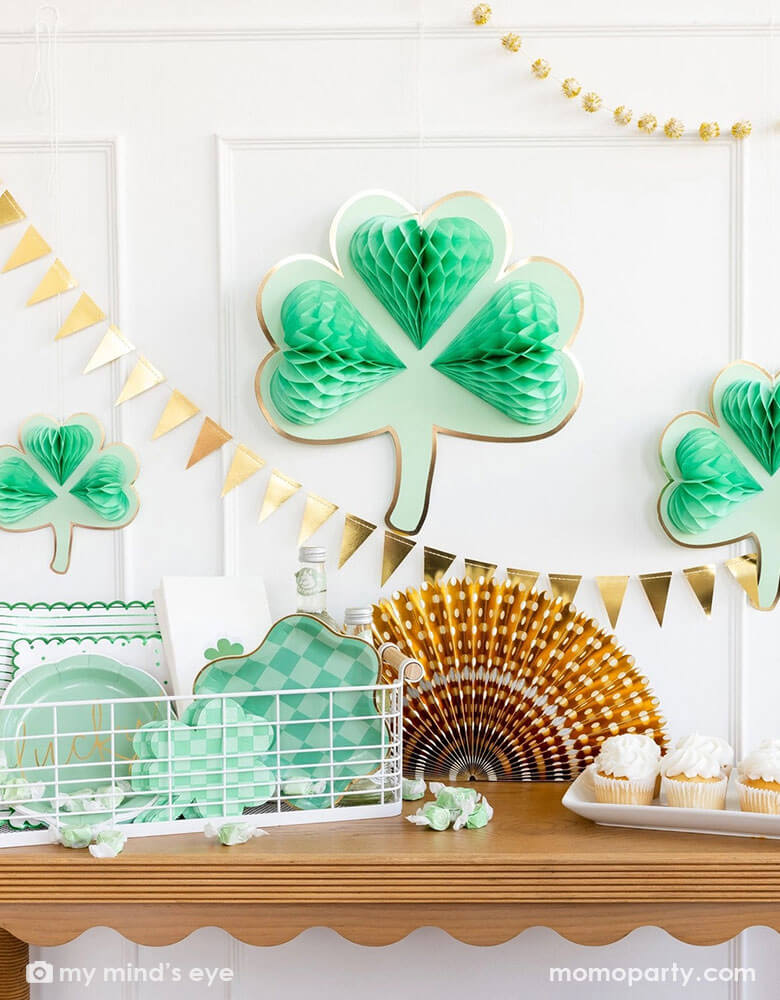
point(723, 471)
point(61, 477)
point(418, 328)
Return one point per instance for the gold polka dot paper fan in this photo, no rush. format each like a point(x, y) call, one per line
point(518, 686)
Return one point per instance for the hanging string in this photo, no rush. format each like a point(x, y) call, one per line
point(419, 103)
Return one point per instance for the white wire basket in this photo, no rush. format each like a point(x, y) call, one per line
point(152, 767)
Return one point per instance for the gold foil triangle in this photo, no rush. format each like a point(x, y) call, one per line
point(210, 438)
point(525, 577)
point(612, 590)
point(114, 345)
point(177, 410)
point(142, 378)
point(355, 532)
point(656, 588)
point(564, 585)
point(279, 490)
point(315, 514)
point(436, 563)
point(57, 279)
point(744, 569)
point(243, 465)
point(702, 581)
point(396, 549)
point(10, 210)
point(32, 246)
point(85, 313)
point(476, 568)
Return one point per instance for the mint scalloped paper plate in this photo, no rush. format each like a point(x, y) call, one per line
point(83, 749)
point(301, 652)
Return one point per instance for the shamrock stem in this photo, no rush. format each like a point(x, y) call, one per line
point(415, 458)
point(63, 537)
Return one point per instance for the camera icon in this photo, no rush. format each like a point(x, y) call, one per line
point(40, 972)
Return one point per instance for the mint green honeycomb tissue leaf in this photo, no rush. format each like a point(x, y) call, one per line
point(61, 476)
point(418, 328)
point(723, 484)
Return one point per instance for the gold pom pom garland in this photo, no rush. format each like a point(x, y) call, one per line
point(674, 128)
point(571, 87)
point(709, 130)
point(512, 42)
point(647, 124)
point(741, 129)
point(622, 115)
point(591, 102)
point(540, 69)
point(481, 13)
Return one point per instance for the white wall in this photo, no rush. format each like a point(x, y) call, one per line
point(201, 141)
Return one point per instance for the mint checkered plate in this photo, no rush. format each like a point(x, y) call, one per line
point(299, 658)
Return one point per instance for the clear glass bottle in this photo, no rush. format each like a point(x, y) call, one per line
point(357, 622)
point(311, 583)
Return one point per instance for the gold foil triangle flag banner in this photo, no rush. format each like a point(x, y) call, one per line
point(744, 569)
point(315, 514)
point(396, 549)
point(656, 588)
point(476, 568)
point(177, 411)
point(57, 279)
point(114, 345)
point(564, 585)
point(612, 590)
point(525, 577)
point(32, 246)
point(436, 563)
point(279, 490)
point(10, 210)
point(702, 581)
point(243, 465)
point(142, 378)
point(85, 313)
point(355, 532)
point(210, 438)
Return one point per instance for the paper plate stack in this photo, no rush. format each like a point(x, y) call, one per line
point(518, 686)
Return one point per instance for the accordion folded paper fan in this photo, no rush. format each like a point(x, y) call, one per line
point(418, 327)
point(723, 471)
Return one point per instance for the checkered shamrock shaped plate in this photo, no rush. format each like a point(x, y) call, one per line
point(328, 736)
point(211, 763)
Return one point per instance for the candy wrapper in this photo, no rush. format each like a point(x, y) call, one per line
point(431, 815)
point(21, 790)
point(454, 807)
point(304, 786)
point(108, 844)
point(412, 789)
point(230, 834)
point(75, 836)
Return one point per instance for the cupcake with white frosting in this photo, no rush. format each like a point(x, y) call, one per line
point(758, 779)
point(626, 770)
point(694, 776)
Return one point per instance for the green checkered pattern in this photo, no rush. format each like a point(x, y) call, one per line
point(300, 652)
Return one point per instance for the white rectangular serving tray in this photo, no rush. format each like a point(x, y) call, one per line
point(580, 798)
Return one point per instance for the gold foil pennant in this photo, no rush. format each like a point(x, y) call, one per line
point(112, 346)
point(744, 569)
point(702, 581)
point(32, 246)
point(656, 588)
point(177, 410)
point(210, 438)
point(243, 465)
point(85, 313)
point(315, 513)
point(525, 577)
point(436, 563)
point(10, 210)
point(476, 568)
point(279, 490)
point(142, 378)
point(612, 590)
point(57, 279)
point(396, 549)
point(355, 532)
point(564, 585)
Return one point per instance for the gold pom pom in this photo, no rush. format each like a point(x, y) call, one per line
point(674, 128)
point(741, 130)
point(622, 115)
point(481, 13)
point(540, 69)
point(647, 123)
point(570, 87)
point(512, 42)
point(709, 130)
point(591, 102)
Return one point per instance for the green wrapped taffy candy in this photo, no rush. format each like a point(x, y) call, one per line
point(412, 789)
point(431, 815)
point(108, 844)
point(75, 836)
point(481, 816)
point(230, 834)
